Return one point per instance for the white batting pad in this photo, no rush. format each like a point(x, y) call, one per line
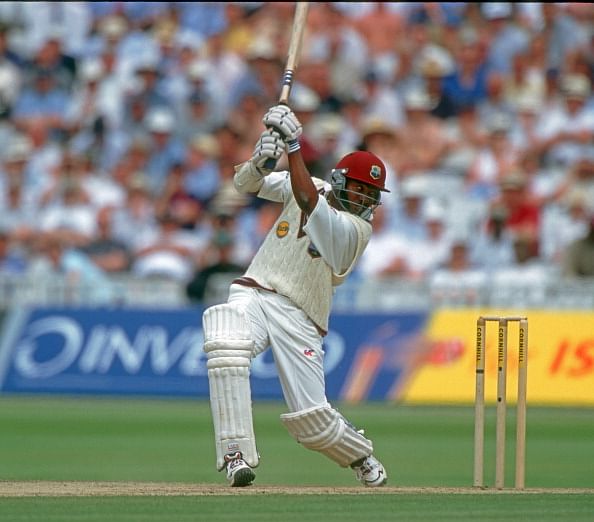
point(228, 345)
point(325, 430)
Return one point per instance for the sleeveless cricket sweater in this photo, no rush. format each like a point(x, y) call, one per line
point(289, 264)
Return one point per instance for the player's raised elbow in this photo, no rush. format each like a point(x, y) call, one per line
point(306, 200)
point(247, 179)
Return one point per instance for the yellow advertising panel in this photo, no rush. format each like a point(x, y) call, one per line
point(560, 355)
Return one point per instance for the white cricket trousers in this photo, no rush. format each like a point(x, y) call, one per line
point(296, 344)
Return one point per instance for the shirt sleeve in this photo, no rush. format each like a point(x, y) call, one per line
point(276, 187)
point(333, 235)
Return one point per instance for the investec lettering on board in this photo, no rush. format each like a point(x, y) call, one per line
point(149, 352)
point(104, 351)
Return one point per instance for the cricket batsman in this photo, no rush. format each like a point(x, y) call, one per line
point(284, 299)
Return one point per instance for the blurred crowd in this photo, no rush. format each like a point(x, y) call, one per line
point(121, 124)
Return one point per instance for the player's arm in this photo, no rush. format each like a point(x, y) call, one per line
point(249, 176)
point(335, 235)
point(282, 119)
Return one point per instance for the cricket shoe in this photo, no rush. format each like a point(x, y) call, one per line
point(239, 474)
point(370, 472)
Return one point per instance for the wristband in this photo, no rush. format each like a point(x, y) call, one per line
point(293, 146)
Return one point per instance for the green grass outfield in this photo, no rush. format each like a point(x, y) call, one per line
point(84, 459)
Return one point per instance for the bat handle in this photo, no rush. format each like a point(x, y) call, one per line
point(269, 164)
point(286, 87)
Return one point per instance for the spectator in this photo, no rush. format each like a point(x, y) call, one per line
point(468, 82)
point(524, 281)
point(422, 140)
point(407, 215)
point(18, 200)
point(520, 212)
point(68, 213)
point(380, 27)
point(358, 64)
point(11, 75)
point(247, 115)
point(166, 148)
point(383, 101)
point(579, 258)
point(106, 252)
point(565, 134)
point(492, 162)
point(55, 260)
point(564, 33)
point(202, 178)
point(176, 53)
point(458, 281)
point(136, 219)
point(388, 251)
point(562, 224)
point(431, 252)
point(113, 87)
point(467, 136)
point(524, 125)
point(202, 18)
point(581, 179)
point(353, 115)
point(51, 59)
point(262, 75)
point(324, 132)
point(383, 139)
point(239, 30)
point(333, 40)
point(176, 200)
point(506, 37)
point(43, 157)
point(433, 68)
point(71, 22)
point(42, 103)
point(221, 69)
point(7, 51)
point(101, 188)
point(170, 252)
point(84, 107)
point(198, 116)
point(492, 247)
point(526, 81)
point(495, 103)
point(220, 262)
point(317, 75)
point(148, 84)
point(12, 260)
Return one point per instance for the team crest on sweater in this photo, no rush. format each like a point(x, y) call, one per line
point(282, 229)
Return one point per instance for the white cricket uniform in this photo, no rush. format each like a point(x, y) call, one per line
point(287, 290)
point(283, 301)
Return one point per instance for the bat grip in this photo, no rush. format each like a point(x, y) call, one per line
point(286, 86)
point(269, 164)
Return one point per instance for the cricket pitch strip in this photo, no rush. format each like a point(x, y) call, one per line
point(107, 489)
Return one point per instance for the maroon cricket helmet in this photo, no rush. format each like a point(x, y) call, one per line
point(361, 166)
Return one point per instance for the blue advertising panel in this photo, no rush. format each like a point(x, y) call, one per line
point(104, 351)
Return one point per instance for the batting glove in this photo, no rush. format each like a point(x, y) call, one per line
point(269, 148)
point(283, 119)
